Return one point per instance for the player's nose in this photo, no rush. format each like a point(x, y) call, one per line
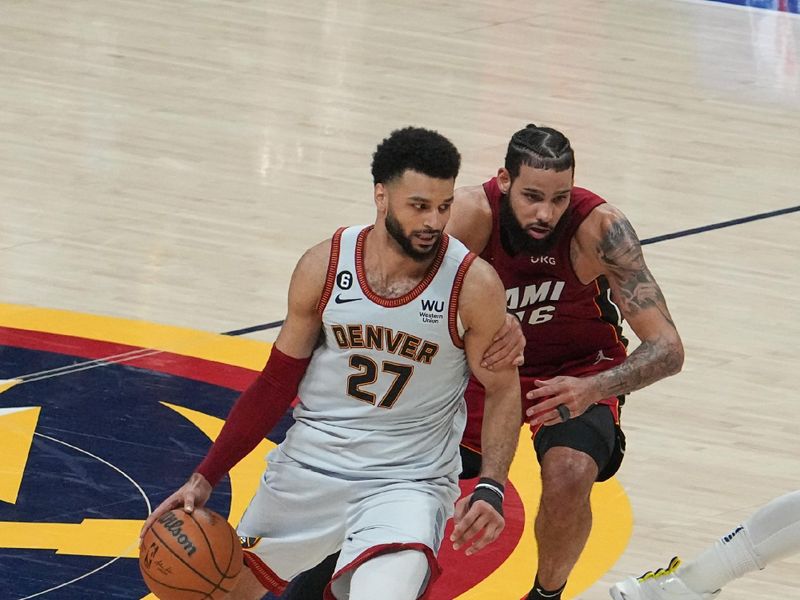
point(434, 220)
point(544, 213)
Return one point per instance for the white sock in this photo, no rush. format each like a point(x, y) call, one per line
point(394, 576)
point(769, 534)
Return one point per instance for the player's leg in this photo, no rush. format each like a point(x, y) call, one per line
point(390, 519)
point(407, 570)
point(573, 455)
point(295, 520)
point(769, 534)
point(311, 584)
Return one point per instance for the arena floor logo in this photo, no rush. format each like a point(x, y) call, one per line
point(101, 418)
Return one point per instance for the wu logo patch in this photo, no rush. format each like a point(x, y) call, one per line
point(432, 311)
point(433, 305)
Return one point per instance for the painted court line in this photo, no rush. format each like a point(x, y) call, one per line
point(113, 560)
point(143, 352)
point(652, 240)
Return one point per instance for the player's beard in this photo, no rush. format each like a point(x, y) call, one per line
point(516, 239)
point(396, 231)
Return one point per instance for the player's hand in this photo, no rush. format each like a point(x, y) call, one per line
point(192, 494)
point(573, 394)
point(508, 346)
point(472, 520)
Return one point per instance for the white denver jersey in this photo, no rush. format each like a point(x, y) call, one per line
point(383, 396)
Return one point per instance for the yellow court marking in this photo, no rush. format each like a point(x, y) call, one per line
point(16, 434)
point(237, 351)
point(91, 537)
point(613, 522)
point(7, 384)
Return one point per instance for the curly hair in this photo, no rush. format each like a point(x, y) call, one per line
point(540, 148)
point(422, 150)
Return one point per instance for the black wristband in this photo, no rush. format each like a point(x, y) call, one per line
point(491, 492)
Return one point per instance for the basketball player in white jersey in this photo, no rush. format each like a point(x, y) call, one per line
point(384, 324)
point(770, 534)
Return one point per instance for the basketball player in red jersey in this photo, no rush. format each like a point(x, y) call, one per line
point(572, 267)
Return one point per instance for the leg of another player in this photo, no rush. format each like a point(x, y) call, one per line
point(247, 587)
point(769, 534)
point(564, 519)
point(394, 576)
point(311, 584)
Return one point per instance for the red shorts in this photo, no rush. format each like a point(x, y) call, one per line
point(475, 395)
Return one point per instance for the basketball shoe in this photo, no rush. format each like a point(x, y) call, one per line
point(664, 584)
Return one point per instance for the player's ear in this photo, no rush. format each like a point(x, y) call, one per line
point(503, 179)
point(381, 198)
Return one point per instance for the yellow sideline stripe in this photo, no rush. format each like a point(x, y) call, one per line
point(230, 350)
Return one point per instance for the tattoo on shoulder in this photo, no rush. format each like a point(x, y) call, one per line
point(621, 252)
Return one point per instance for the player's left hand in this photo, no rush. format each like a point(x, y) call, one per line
point(508, 346)
point(573, 394)
point(471, 520)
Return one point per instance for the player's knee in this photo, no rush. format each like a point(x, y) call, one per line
point(567, 476)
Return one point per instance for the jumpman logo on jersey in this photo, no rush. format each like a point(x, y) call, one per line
point(601, 357)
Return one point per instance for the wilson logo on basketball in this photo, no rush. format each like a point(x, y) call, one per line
point(173, 525)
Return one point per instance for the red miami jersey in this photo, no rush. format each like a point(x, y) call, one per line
point(570, 328)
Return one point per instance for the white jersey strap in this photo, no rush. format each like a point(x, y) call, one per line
point(333, 263)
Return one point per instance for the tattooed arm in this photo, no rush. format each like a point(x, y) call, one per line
point(639, 297)
point(607, 246)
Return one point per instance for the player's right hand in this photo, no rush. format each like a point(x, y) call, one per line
point(471, 520)
point(508, 346)
point(192, 494)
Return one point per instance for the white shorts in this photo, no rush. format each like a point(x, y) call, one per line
point(299, 516)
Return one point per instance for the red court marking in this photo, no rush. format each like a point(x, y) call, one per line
point(197, 369)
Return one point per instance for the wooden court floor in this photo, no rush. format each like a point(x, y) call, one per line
point(167, 162)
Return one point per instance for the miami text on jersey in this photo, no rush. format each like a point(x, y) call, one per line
point(520, 300)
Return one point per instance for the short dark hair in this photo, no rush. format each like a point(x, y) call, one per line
point(540, 148)
point(422, 150)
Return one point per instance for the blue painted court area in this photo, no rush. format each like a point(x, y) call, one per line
point(790, 6)
point(104, 446)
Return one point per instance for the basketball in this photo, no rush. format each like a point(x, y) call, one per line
point(190, 556)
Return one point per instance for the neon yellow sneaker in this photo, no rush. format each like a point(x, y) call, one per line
point(663, 584)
